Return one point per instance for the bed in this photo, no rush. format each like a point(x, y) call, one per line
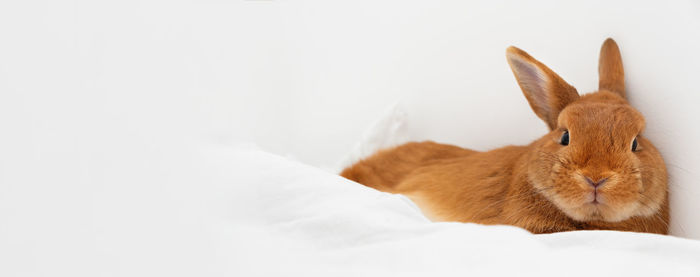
point(222, 210)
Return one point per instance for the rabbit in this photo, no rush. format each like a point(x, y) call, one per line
point(592, 171)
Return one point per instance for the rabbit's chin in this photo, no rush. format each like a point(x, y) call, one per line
point(606, 208)
point(602, 212)
point(613, 202)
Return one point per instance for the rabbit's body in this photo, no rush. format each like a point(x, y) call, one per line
point(479, 187)
point(602, 180)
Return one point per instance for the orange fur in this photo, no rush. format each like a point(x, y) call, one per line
point(545, 186)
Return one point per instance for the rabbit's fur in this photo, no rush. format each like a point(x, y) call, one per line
point(596, 181)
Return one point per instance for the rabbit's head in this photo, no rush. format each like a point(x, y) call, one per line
point(594, 164)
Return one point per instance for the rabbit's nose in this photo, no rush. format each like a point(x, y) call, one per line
point(595, 184)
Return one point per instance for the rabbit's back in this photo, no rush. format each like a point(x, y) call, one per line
point(387, 168)
point(469, 188)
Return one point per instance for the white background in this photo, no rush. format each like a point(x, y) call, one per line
point(306, 78)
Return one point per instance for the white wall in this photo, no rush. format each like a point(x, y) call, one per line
point(306, 78)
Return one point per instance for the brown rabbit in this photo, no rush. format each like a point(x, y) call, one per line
point(593, 170)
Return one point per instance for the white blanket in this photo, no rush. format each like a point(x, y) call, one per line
point(236, 211)
point(300, 220)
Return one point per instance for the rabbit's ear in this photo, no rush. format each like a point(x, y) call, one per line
point(547, 93)
point(610, 71)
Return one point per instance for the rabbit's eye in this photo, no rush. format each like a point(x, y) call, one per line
point(565, 138)
point(634, 145)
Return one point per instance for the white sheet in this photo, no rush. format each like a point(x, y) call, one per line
point(202, 209)
point(334, 226)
